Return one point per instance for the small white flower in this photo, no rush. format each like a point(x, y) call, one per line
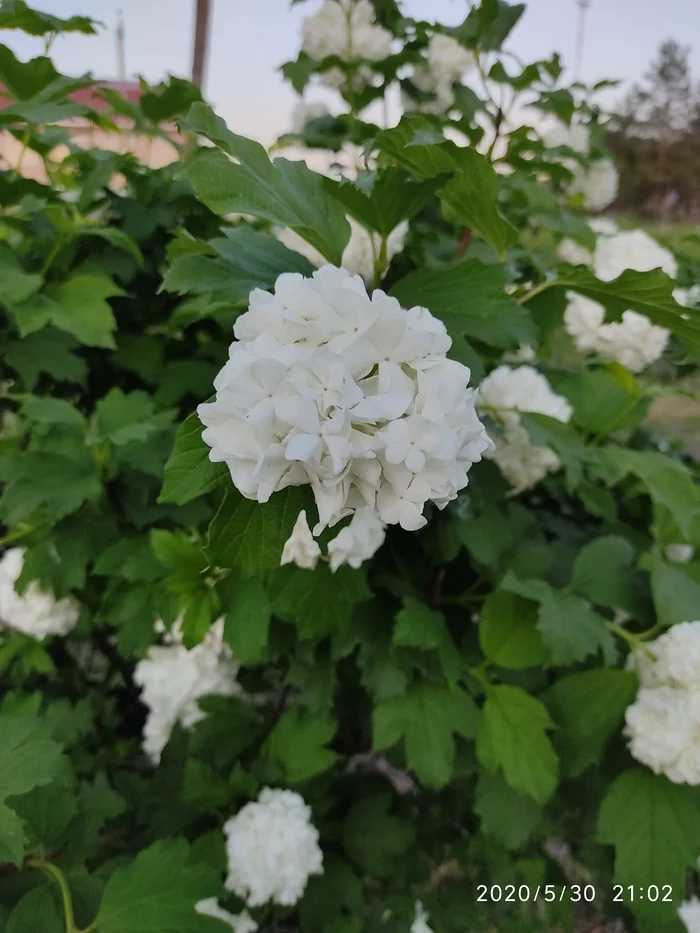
point(173, 678)
point(679, 553)
point(357, 542)
point(239, 923)
point(598, 181)
point(689, 912)
point(35, 613)
point(420, 923)
point(300, 547)
point(272, 849)
point(447, 62)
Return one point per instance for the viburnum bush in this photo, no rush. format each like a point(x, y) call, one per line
point(347, 585)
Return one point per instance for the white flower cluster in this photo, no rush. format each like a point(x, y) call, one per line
point(361, 254)
point(272, 849)
point(689, 912)
point(347, 29)
point(634, 341)
point(597, 182)
point(239, 923)
point(663, 723)
point(35, 613)
point(447, 62)
point(503, 394)
point(172, 678)
point(357, 542)
point(350, 394)
point(570, 251)
point(304, 112)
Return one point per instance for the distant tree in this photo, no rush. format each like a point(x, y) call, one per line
point(657, 138)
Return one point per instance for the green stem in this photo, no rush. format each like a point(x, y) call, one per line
point(634, 642)
point(380, 263)
point(543, 286)
point(55, 873)
point(16, 534)
point(51, 255)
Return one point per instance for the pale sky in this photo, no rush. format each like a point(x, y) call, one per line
point(250, 39)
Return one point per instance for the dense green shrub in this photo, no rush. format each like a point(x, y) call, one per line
point(451, 711)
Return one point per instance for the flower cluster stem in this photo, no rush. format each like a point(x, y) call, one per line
point(55, 874)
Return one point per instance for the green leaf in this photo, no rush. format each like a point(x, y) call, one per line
point(319, 602)
point(470, 198)
point(603, 403)
point(505, 814)
point(248, 621)
point(654, 826)
point(77, 306)
point(16, 14)
point(46, 351)
point(298, 743)
point(418, 626)
point(604, 572)
point(52, 411)
point(471, 300)
point(286, 193)
point(189, 472)
point(37, 911)
point(426, 718)
point(250, 535)
point(17, 285)
point(508, 633)
point(513, 736)
point(46, 811)
point(57, 483)
point(123, 418)
point(676, 590)
point(156, 893)
point(572, 630)
point(381, 200)
point(589, 706)
point(667, 481)
point(489, 24)
point(373, 838)
point(649, 293)
point(13, 839)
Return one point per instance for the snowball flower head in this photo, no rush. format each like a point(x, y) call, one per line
point(598, 181)
point(420, 922)
point(239, 923)
point(346, 28)
point(272, 849)
point(35, 613)
point(634, 341)
point(631, 249)
point(300, 547)
point(314, 389)
point(357, 542)
point(663, 723)
point(447, 61)
point(172, 678)
point(572, 252)
point(689, 912)
point(361, 253)
point(504, 393)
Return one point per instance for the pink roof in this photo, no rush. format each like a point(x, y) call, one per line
point(90, 96)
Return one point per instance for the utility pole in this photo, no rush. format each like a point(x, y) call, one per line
point(580, 31)
point(121, 46)
point(201, 40)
